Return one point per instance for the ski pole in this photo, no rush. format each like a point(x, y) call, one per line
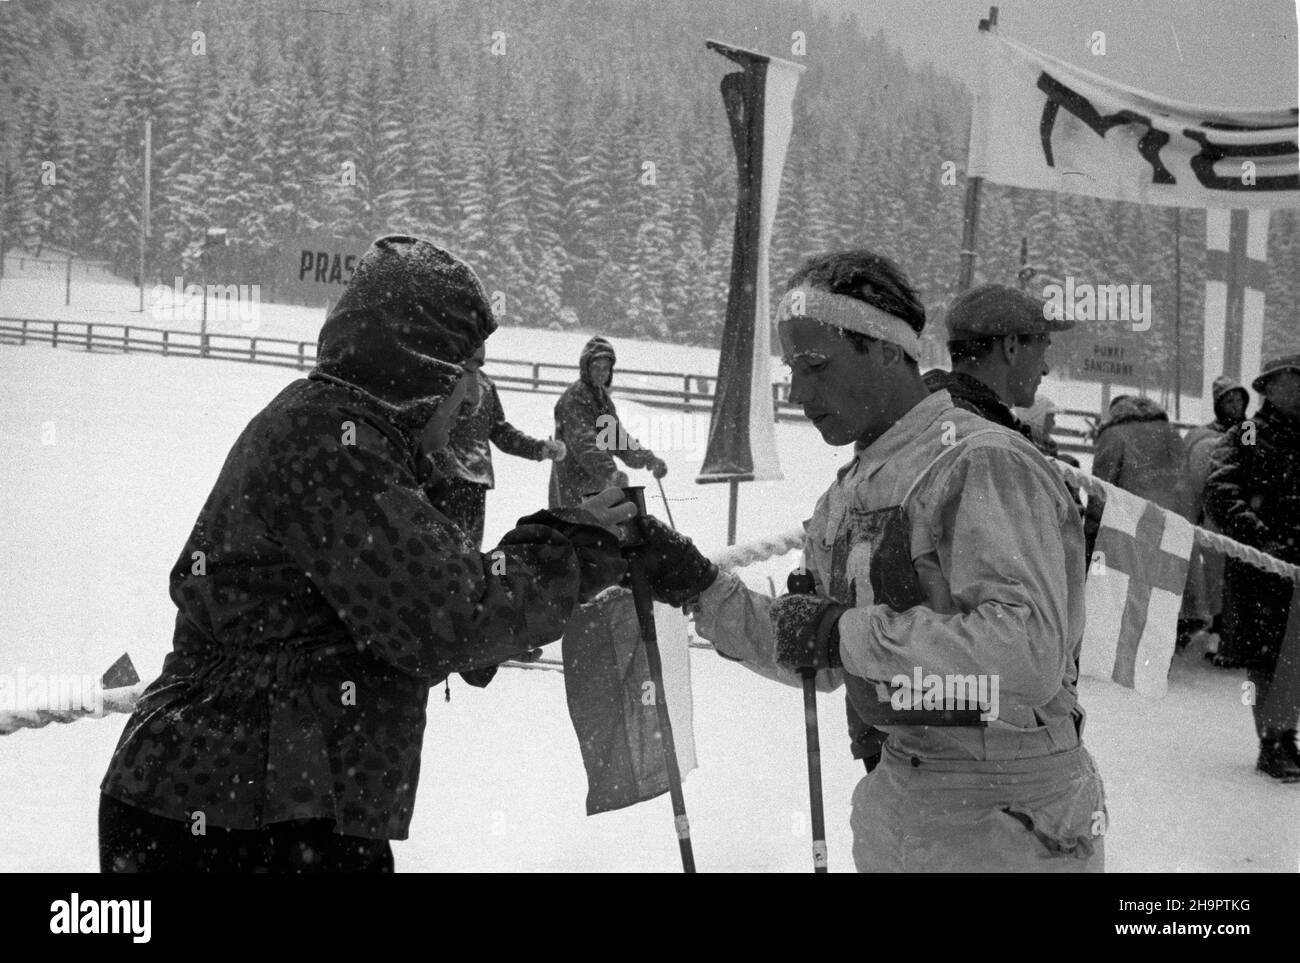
point(814, 769)
point(802, 583)
point(667, 509)
point(644, 603)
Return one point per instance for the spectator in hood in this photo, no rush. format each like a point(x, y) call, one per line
point(587, 423)
point(1253, 495)
point(1206, 576)
point(320, 595)
point(1139, 451)
point(466, 463)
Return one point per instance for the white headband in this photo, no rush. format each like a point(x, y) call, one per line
point(849, 314)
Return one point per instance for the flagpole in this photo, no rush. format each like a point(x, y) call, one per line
point(643, 600)
point(970, 216)
point(144, 201)
point(1178, 314)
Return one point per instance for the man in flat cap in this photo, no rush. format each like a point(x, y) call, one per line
point(947, 550)
point(998, 339)
point(1253, 495)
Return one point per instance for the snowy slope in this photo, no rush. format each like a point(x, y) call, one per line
point(96, 519)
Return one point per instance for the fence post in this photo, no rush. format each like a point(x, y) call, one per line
point(89, 328)
point(686, 391)
point(165, 333)
point(23, 339)
point(537, 376)
point(126, 338)
point(55, 342)
point(252, 349)
point(302, 354)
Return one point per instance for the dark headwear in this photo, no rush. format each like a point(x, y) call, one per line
point(995, 310)
point(1223, 387)
point(594, 349)
point(1290, 362)
point(409, 317)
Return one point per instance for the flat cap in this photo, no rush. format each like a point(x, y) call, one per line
point(995, 310)
point(1290, 362)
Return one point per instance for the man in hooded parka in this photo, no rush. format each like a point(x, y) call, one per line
point(320, 596)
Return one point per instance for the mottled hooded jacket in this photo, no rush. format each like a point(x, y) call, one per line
point(320, 595)
point(587, 422)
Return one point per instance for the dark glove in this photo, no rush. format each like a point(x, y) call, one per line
point(658, 467)
point(600, 560)
point(674, 566)
point(807, 636)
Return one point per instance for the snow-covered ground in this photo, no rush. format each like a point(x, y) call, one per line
point(110, 457)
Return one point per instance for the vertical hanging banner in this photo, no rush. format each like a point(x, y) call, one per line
point(1236, 273)
point(759, 100)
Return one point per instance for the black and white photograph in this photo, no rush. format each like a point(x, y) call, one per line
point(651, 437)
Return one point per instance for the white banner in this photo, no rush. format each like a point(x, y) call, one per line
point(1042, 123)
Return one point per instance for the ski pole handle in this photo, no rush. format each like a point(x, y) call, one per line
point(801, 582)
point(636, 495)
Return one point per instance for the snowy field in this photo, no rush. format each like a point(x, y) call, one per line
point(112, 455)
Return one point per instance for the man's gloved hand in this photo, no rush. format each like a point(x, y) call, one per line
point(675, 568)
point(618, 480)
point(592, 530)
point(554, 450)
point(806, 630)
point(658, 467)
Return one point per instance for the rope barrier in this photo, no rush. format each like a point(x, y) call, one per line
point(1205, 538)
point(733, 557)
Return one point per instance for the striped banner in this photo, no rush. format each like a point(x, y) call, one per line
point(759, 100)
point(1236, 273)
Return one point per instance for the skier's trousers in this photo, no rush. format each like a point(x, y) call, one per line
point(1044, 814)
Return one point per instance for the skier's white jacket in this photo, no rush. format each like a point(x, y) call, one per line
point(961, 552)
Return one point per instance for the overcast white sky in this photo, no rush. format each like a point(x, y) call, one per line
point(1220, 53)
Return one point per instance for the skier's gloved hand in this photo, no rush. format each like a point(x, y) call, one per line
point(554, 450)
point(658, 467)
point(618, 480)
point(675, 568)
point(807, 632)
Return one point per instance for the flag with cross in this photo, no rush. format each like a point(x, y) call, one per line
point(1236, 273)
point(1135, 589)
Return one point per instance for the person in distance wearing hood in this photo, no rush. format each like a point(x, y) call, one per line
point(1206, 575)
point(320, 595)
point(1253, 495)
point(466, 463)
point(587, 422)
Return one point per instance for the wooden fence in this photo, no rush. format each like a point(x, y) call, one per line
point(687, 391)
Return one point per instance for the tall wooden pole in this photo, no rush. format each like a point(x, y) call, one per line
point(731, 511)
point(970, 218)
point(1178, 314)
point(144, 201)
